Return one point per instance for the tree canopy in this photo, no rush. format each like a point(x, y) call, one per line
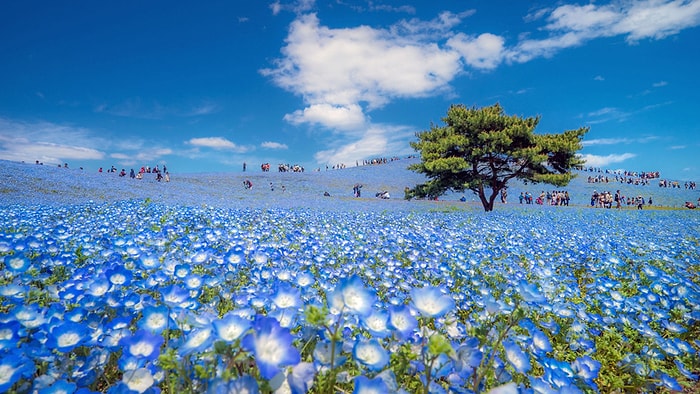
point(483, 148)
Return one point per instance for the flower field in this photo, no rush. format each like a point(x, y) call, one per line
point(194, 286)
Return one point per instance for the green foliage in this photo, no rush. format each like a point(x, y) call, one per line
point(401, 365)
point(80, 257)
point(484, 148)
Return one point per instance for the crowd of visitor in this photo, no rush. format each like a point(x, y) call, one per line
point(606, 199)
point(160, 175)
point(265, 167)
point(633, 178)
point(555, 197)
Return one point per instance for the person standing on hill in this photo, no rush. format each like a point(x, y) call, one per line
point(356, 190)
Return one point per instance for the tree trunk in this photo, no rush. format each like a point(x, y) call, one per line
point(482, 196)
point(487, 202)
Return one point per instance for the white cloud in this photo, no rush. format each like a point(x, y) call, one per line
point(572, 25)
point(349, 117)
point(485, 51)
point(657, 19)
point(605, 141)
point(604, 111)
point(604, 161)
point(342, 68)
point(295, 6)
point(273, 145)
point(618, 141)
point(377, 141)
point(47, 142)
point(216, 143)
point(659, 84)
point(584, 18)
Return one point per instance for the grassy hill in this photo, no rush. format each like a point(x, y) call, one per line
point(31, 184)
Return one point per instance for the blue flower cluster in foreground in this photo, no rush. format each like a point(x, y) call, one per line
point(136, 296)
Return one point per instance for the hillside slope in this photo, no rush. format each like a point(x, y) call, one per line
point(32, 184)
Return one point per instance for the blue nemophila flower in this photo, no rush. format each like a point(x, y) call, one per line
point(684, 371)
point(305, 279)
point(468, 356)
point(557, 373)
point(175, 296)
point(198, 340)
point(363, 385)
point(271, 344)
point(59, 387)
point(351, 295)
point(17, 263)
point(540, 386)
point(286, 317)
point(231, 327)
point(200, 257)
point(540, 341)
point(530, 293)
point(401, 320)
point(371, 354)
point(376, 324)
point(182, 270)
point(301, 378)
point(586, 368)
point(673, 327)
point(128, 362)
point(193, 281)
point(119, 276)
point(286, 296)
point(10, 332)
point(142, 344)
point(155, 319)
point(516, 357)
point(13, 367)
point(99, 286)
point(14, 290)
point(670, 383)
point(66, 336)
point(430, 301)
point(148, 262)
point(138, 380)
point(234, 257)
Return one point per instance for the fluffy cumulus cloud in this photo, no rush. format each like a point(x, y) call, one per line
point(343, 117)
point(219, 143)
point(47, 142)
point(485, 51)
point(342, 74)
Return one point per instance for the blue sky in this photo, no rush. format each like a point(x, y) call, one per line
point(204, 87)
